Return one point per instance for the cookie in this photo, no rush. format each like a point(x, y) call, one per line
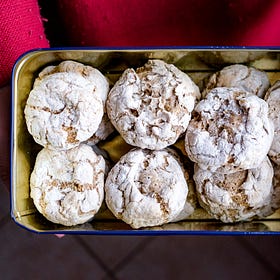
point(235, 197)
point(230, 131)
point(151, 107)
point(61, 111)
point(146, 188)
point(91, 74)
point(67, 187)
point(101, 88)
point(272, 98)
point(246, 78)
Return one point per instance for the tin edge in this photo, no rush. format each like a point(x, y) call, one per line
point(17, 66)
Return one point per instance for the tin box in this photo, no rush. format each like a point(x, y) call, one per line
point(198, 63)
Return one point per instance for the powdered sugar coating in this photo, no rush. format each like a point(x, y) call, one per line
point(272, 98)
point(91, 74)
point(230, 131)
point(246, 78)
point(191, 200)
point(67, 187)
point(238, 196)
point(62, 111)
point(151, 107)
point(146, 188)
point(101, 88)
point(189, 206)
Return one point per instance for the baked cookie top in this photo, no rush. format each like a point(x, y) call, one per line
point(272, 98)
point(237, 75)
point(151, 107)
point(230, 131)
point(67, 187)
point(91, 74)
point(238, 196)
point(146, 188)
point(101, 88)
point(61, 111)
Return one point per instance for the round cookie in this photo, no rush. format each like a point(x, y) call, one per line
point(67, 187)
point(62, 111)
point(235, 197)
point(246, 78)
point(146, 188)
point(230, 131)
point(272, 98)
point(92, 75)
point(151, 107)
point(101, 88)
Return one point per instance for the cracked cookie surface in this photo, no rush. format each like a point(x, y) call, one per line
point(272, 98)
point(91, 74)
point(98, 81)
point(151, 107)
point(246, 78)
point(230, 131)
point(146, 188)
point(238, 196)
point(62, 111)
point(67, 187)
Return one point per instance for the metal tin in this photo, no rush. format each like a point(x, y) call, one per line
point(199, 63)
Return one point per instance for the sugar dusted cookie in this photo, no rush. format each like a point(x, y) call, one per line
point(235, 197)
point(62, 111)
point(146, 188)
point(272, 98)
point(230, 131)
point(100, 87)
point(94, 76)
point(246, 78)
point(67, 187)
point(151, 107)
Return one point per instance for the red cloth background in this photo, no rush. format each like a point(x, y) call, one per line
point(171, 22)
point(137, 23)
point(21, 29)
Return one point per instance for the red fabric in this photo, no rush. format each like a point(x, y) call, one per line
point(139, 23)
point(171, 23)
point(21, 29)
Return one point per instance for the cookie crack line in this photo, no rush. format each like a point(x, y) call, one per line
point(47, 109)
point(73, 185)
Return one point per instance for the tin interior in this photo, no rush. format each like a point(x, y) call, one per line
point(198, 63)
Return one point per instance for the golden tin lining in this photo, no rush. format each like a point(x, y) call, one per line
point(199, 64)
